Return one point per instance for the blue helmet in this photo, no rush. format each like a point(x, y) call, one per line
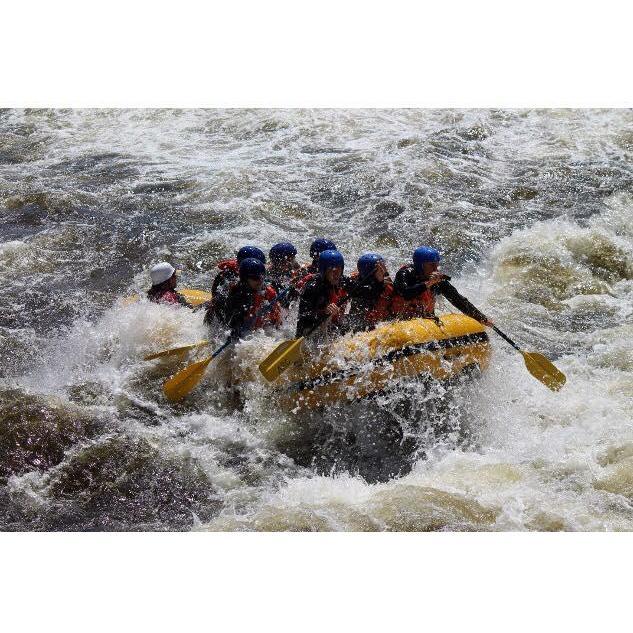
point(321, 244)
point(250, 251)
point(367, 263)
point(283, 250)
point(425, 254)
point(251, 268)
point(330, 259)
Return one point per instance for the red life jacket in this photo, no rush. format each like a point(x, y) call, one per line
point(423, 305)
point(229, 264)
point(302, 275)
point(334, 296)
point(303, 280)
point(167, 296)
point(272, 317)
point(382, 309)
point(229, 270)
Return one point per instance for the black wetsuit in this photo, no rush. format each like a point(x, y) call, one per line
point(216, 308)
point(229, 272)
point(281, 281)
point(243, 306)
point(238, 301)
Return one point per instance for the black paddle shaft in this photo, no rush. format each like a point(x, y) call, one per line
point(506, 338)
point(498, 331)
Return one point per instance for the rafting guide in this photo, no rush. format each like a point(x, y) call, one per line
point(164, 283)
point(418, 284)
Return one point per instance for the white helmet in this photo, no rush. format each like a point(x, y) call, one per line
point(161, 272)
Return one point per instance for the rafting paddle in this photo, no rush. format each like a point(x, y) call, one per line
point(538, 365)
point(284, 355)
point(194, 297)
point(186, 348)
point(288, 353)
point(176, 350)
point(185, 381)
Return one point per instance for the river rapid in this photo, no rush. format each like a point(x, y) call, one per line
point(532, 211)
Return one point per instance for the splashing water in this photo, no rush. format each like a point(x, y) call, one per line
point(532, 210)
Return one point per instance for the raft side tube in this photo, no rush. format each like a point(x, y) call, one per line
point(365, 363)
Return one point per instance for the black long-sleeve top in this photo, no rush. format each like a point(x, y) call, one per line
point(237, 305)
point(282, 282)
point(409, 285)
point(316, 296)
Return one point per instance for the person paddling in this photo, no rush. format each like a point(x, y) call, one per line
point(417, 286)
point(320, 295)
point(282, 271)
point(164, 281)
point(247, 296)
point(230, 268)
point(372, 292)
point(307, 272)
point(283, 265)
point(229, 274)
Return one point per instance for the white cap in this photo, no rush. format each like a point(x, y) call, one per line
point(161, 272)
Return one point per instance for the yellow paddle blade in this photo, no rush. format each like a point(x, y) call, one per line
point(127, 301)
point(185, 381)
point(544, 370)
point(284, 355)
point(176, 350)
point(195, 297)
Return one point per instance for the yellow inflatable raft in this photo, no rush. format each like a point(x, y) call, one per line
point(366, 363)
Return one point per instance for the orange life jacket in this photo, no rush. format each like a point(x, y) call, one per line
point(382, 308)
point(422, 305)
